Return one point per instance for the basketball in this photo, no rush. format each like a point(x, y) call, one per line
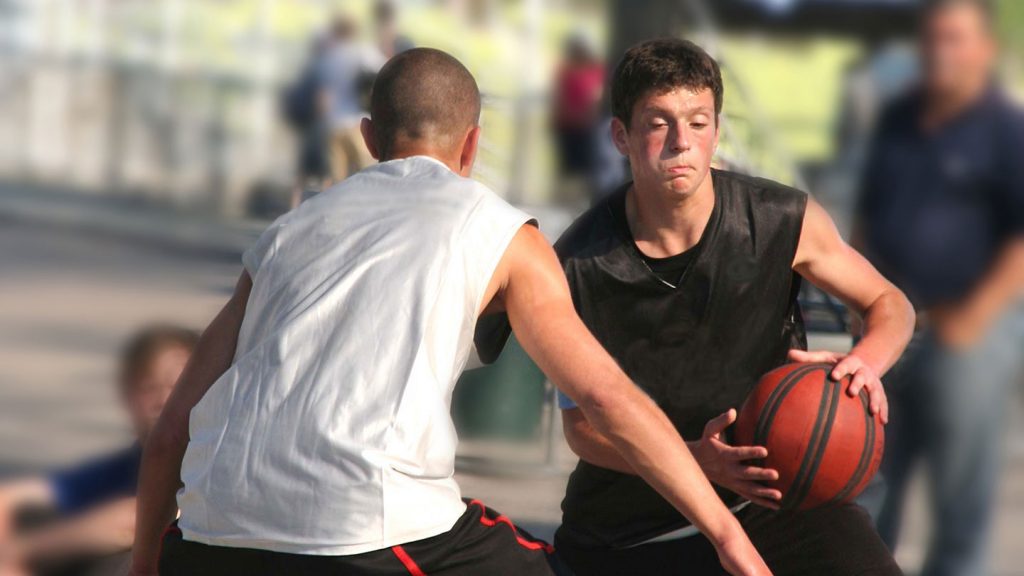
point(824, 443)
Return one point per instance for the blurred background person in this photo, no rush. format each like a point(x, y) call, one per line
point(347, 74)
point(304, 108)
point(82, 520)
point(942, 215)
point(578, 92)
point(385, 20)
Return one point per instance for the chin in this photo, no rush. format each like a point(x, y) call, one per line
point(681, 186)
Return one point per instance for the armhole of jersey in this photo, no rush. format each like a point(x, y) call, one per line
point(496, 330)
point(800, 214)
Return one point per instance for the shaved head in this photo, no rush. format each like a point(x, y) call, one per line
point(423, 98)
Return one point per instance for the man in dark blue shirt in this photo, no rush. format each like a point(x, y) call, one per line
point(90, 508)
point(942, 216)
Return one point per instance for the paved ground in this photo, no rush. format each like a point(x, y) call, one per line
point(68, 297)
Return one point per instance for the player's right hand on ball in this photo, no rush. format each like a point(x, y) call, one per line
point(729, 466)
point(739, 557)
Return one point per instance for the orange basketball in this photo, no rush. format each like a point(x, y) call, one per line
point(824, 443)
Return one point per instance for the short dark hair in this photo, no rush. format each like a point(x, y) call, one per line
point(660, 66)
point(144, 346)
point(426, 95)
point(986, 8)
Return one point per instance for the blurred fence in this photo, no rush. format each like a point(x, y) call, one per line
point(192, 140)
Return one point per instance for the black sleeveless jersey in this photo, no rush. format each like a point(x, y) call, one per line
point(696, 348)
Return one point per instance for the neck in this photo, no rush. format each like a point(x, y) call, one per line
point(453, 163)
point(942, 107)
point(663, 224)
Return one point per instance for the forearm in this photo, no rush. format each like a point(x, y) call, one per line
point(888, 327)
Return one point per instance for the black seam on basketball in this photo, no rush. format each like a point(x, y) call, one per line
point(865, 456)
point(763, 418)
point(791, 498)
point(771, 406)
point(835, 393)
point(798, 481)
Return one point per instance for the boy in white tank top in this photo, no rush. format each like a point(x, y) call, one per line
point(311, 433)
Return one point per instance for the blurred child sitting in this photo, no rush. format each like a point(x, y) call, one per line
point(82, 520)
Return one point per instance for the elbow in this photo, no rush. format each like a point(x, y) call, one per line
point(907, 314)
point(894, 308)
point(610, 410)
point(597, 405)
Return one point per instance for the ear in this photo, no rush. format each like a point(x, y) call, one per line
point(620, 136)
point(469, 148)
point(366, 129)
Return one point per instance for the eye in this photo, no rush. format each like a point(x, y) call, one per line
point(656, 124)
point(698, 125)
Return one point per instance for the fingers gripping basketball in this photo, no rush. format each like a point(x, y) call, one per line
point(825, 444)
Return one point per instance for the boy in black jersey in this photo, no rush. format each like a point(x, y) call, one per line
point(688, 276)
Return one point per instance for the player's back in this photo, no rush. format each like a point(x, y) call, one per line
point(331, 434)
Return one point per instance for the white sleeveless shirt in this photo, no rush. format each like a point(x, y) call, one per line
point(331, 432)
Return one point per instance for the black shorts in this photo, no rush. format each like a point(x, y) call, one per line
point(839, 541)
point(482, 542)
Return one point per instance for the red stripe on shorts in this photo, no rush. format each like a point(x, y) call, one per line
point(407, 561)
point(502, 519)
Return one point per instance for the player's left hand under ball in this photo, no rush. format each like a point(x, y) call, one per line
point(730, 466)
point(861, 375)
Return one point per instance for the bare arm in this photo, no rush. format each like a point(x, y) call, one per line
point(823, 258)
point(159, 478)
point(533, 289)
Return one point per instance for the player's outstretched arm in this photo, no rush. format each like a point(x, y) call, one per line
point(534, 292)
point(159, 478)
point(823, 258)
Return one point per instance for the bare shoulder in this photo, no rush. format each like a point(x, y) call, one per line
point(818, 234)
point(527, 249)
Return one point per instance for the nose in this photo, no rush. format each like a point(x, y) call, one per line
point(680, 140)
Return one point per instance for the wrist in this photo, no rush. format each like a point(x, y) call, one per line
point(876, 365)
point(726, 528)
point(696, 450)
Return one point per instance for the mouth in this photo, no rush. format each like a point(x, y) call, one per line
point(679, 170)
